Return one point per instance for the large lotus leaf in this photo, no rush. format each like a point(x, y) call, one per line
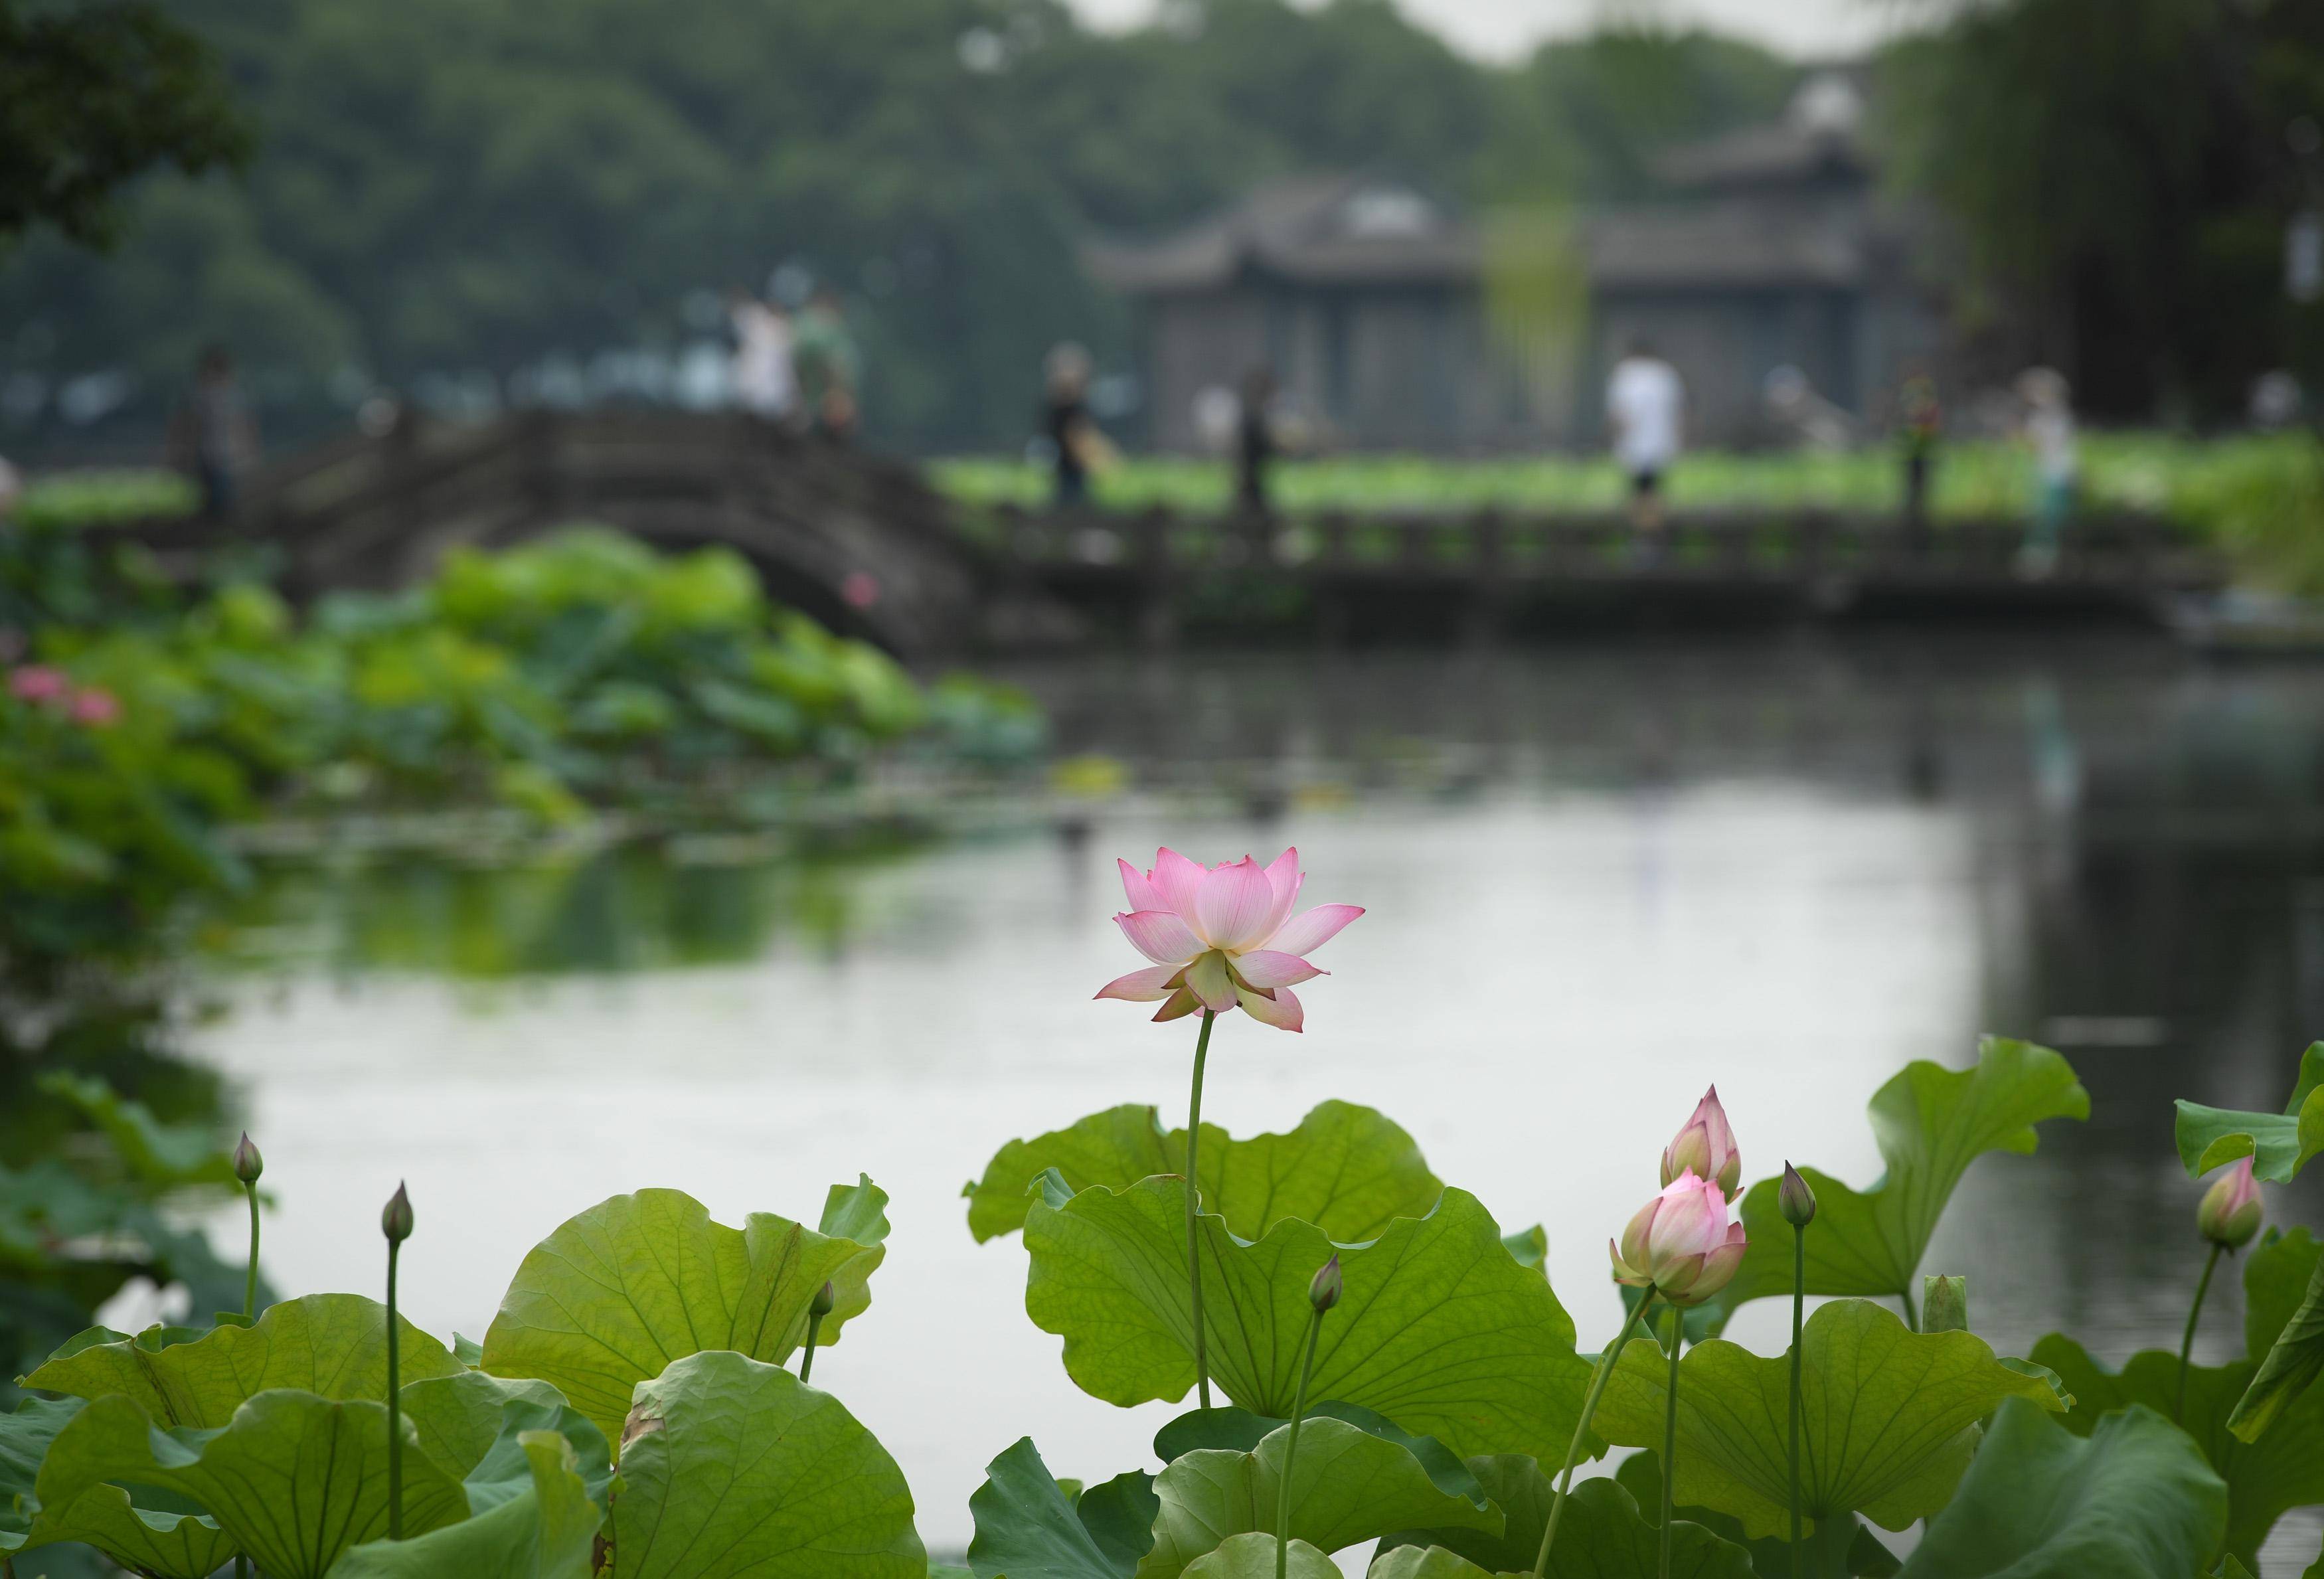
point(2283, 1469)
point(159, 1156)
point(547, 1531)
point(1428, 1563)
point(732, 1467)
point(1028, 1528)
point(331, 1345)
point(295, 1480)
point(172, 1544)
point(1252, 1556)
point(1350, 1170)
point(619, 1292)
point(1833, 1549)
point(2131, 1500)
point(1888, 1417)
point(1440, 1330)
point(460, 1418)
point(2279, 1144)
point(1348, 1486)
point(1243, 1431)
point(1602, 1535)
point(2292, 1364)
point(1931, 1122)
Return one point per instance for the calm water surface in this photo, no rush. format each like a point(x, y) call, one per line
point(1598, 879)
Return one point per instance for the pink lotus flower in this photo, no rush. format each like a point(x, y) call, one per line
point(1220, 935)
point(1681, 1243)
point(2230, 1211)
point(37, 682)
point(1705, 1148)
point(95, 706)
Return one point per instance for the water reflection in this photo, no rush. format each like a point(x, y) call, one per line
point(1598, 879)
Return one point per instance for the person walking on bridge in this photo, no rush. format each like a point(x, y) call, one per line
point(764, 384)
point(212, 435)
point(1646, 402)
point(829, 368)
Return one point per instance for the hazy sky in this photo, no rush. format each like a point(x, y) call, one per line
point(1499, 29)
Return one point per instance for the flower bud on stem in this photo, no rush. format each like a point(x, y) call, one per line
point(1798, 1205)
point(248, 1165)
point(1598, 1379)
point(2187, 1342)
point(395, 1223)
point(1322, 1293)
point(817, 1309)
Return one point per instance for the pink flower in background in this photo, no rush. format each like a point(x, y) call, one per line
point(1705, 1147)
point(37, 682)
point(1222, 936)
point(1682, 1243)
point(95, 707)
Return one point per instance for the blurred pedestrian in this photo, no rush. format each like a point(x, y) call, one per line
point(2057, 463)
point(12, 488)
point(1073, 433)
point(1645, 402)
point(828, 367)
point(764, 383)
point(1255, 441)
point(212, 435)
point(1920, 420)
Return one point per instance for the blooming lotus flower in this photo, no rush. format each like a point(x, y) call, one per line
point(1681, 1243)
point(1705, 1147)
point(95, 707)
point(2230, 1211)
point(37, 682)
point(1222, 936)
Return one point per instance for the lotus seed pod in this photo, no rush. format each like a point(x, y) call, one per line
point(1795, 1199)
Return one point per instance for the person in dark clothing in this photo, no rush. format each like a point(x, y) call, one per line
point(1255, 446)
point(1067, 422)
point(1920, 421)
point(212, 435)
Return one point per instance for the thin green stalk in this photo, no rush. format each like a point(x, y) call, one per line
point(250, 1274)
point(1912, 1311)
point(394, 1409)
point(1669, 1435)
point(1598, 1379)
point(1799, 1303)
point(2187, 1343)
point(1291, 1451)
point(1195, 1245)
point(806, 1361)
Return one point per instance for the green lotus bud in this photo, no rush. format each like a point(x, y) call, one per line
point(1944, 1303)
point(823, 1301)
point(395, 1221)
point(2231, 1210)
point(247, 1163)
point(1324, 1289)
point(1795, 1199)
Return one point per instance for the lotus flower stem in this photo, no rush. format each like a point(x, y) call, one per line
point(395, 1223)
point(2187, 1343)
point(1598, 1379)
point(1799, 1302)
point(1195, 1245)
point(250, 1274)
point(1670, 1435)
point(1322, 1294)
point(1912, 1311)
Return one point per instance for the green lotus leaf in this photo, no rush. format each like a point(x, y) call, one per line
point(333, 1345)
point(1888, 1417)
point(616, 1294)
point(2131, 1500)
point(294, 1478)
point(170, 1544)
point(1347, 1486)
point(1027, 1526)
point(461, 1417)
point(1931, 1122)
point(1440, 1329)
point(733, 1467)
point(546, 1529)
point(1350, 1170)
point(2279, 1144)
point(1252, 1556)
point(1835, 1548)
point(2282, 1470)
point(1242, 1431)
point(159, 1156)
point(1602, 1535)
point(2292, 1362)
point(1428, 1563)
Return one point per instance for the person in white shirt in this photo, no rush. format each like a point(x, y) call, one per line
point(765, 384)
point(1646, 402)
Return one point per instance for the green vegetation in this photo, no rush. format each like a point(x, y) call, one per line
point(2260, 499)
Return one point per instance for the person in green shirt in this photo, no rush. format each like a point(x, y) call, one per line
point(828, 367)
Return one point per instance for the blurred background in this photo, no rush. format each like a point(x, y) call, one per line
point(588, 595)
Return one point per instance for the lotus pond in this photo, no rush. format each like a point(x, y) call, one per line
point(1596, 881)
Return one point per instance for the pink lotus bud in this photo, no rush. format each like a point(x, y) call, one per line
point(1705, 1148)
point(37, 682)
point(1682, 1243)
point(2231, 1209)
point(96, 707)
